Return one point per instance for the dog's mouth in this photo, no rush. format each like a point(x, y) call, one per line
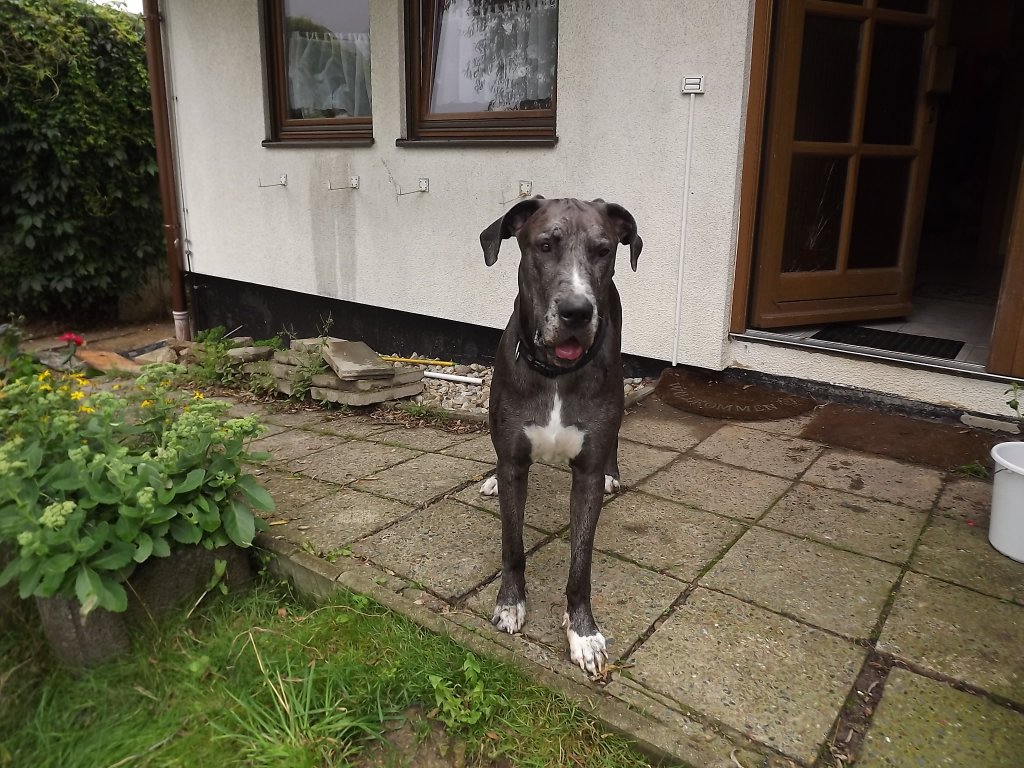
point(569, 350)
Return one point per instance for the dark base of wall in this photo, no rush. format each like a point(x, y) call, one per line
point(262, 311)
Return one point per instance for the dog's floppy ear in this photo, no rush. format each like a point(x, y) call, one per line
point(625, 226)
point(506, 227)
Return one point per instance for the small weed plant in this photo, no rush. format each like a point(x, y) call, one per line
point(465, 701)
point(94, 482)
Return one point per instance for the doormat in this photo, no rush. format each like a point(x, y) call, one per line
point(921, 441)
point(891, 341)
point(718, 397)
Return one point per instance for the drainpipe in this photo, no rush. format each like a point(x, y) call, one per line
point(165, 167)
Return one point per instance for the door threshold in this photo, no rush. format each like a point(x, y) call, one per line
point(971, 370)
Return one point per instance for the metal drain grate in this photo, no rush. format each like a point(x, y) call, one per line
point(891, 341)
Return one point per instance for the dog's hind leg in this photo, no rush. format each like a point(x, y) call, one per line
point(611, 471)
point(586, 643)
point(510, 607)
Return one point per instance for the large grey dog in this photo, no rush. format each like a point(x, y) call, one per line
point(556, 394)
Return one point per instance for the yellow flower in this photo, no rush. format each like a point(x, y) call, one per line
point(116, 387)
point(63, 388)
point(45, 388)
point(77, 395)
point(146, 403)
point(197, 395)
point(86, 409)
point(43, 376)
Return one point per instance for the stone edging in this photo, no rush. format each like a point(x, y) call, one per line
point(481, 418)
point(664, 735)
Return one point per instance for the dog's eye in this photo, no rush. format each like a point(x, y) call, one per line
point(545, 246)
point(604, 252)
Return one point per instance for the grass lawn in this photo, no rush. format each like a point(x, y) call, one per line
point(260, 679)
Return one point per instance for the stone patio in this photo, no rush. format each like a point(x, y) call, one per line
point(771, 600)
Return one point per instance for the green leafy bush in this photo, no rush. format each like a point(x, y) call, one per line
point(94, 482)
point(79, 203)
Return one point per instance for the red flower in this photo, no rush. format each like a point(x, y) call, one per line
point(72, 338)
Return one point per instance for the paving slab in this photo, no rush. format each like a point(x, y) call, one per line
point(449, 548)
point(868, 526)
point(479, 448)
point(663, 536)
point(422, 478)
point(760, 451)
point(928, 724)
point(349, 460)
point(638, 461)
point(959, 633)
point(826, 587)
point(772, 678)
point(626, 599)
point(342, 517)
point(291, 444)
point(547, 498)
point(303, 417)
point(716, 487)
point(654, 423)
point(793, 426)
point(292, 491)
point(966, 498)
point(958, 550)
point(877, 477)
point(421, 438)
point(352, 425)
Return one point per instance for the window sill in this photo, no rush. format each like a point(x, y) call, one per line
point(319, 143)
point(433, 143)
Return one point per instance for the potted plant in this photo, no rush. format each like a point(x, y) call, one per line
point(95, 482)
point(1006, 525)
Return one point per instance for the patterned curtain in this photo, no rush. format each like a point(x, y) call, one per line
point(328, 74)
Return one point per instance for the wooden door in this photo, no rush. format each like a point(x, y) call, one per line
point(848, 149)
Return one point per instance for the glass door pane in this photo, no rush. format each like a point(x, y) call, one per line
point(828, 75)
point(814, 214)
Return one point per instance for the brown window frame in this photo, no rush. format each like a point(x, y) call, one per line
point(533, 126)
point(357, 131)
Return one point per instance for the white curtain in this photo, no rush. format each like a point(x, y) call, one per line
point(329, 74)
point(494, 55)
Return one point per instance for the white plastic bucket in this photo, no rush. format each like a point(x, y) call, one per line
point(1006, 528)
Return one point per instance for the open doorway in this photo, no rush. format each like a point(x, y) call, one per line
point(892, 150)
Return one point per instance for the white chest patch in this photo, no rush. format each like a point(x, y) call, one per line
point(554, 441)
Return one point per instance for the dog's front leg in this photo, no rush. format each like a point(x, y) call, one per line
point(510, 607)
point(586, 643)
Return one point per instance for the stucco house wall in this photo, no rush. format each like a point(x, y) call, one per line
point(622, 125)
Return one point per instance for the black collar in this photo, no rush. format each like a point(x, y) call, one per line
point(525, 349)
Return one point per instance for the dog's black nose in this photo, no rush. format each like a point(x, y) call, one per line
point(575, 311)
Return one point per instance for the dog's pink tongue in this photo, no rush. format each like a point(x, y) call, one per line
point(569, 350)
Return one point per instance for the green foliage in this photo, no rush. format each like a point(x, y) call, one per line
point(94, 482)
point(463, 701)
point(79, 203)
point(1015, 393)
point(13, 362)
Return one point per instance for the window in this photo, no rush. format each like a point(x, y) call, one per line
point(482, 69)
point(318, 57)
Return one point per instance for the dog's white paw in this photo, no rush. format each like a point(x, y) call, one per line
point(612, 484)
point(509, 618)
point(588, 651)
point(490, 486)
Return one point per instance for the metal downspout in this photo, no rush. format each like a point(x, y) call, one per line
point(165, 167)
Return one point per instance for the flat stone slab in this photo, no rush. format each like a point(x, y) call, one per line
point(716, 487)
point(355, 360)
point(290, 492)
point(423, 439)
point(922, 722)
point(626, 599)
point(760, 451)
point(654, 423)
point(422, 478)
point(868, 526)
point(966, 499)
point(959, 633)
point(826, 587)
point(291, 444)
point(449, 548)
point(342, 517)
point(352, 425)
point(370, 397)
point(547, 498)
point(958, 550)
point(350, 460)
point(478, 447)
point(877, 477)
point(772, 678)
point(637, 461)
point(663, 536)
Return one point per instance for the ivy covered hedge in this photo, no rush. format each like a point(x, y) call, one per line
point(80, 218)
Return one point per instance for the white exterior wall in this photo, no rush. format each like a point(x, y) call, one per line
point(622, 136)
